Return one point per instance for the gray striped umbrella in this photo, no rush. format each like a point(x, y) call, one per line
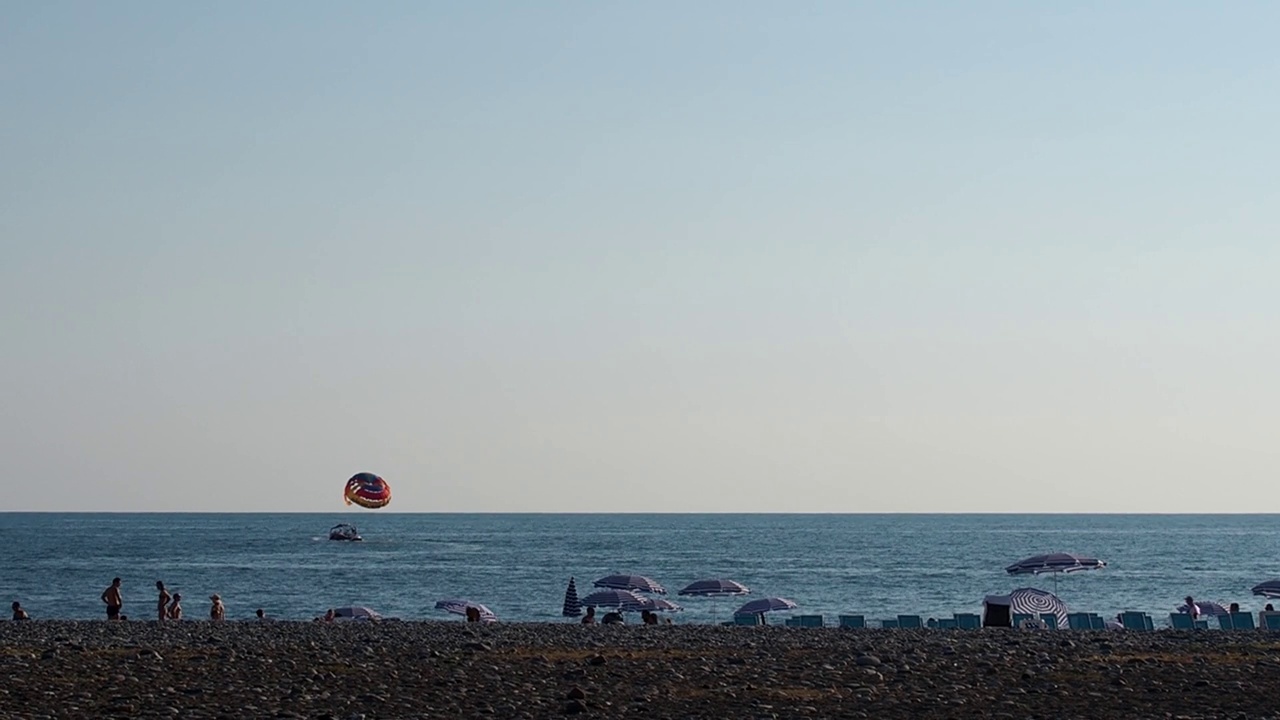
point(1269, 589)
point(621, 599)
point(764, 605)
point(1054, 563)
point(630, 582)
point(715, 587)
point(572, 606)
point(1032, 601)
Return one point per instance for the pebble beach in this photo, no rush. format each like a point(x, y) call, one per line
point(394, 669)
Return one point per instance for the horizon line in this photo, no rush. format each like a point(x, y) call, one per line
point(626, 512)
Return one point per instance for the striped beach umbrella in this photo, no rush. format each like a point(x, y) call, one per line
point(621, 599)
point(630, 582)
point(1268, 589)
point(764, 605)
point(1032, 601)
point(715, 587)
point(572, 607)
point(1054, 563)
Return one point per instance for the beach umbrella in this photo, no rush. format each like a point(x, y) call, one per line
point(1031, 601)
point(459, 607)
point(1206, 608)
point(1268, 589)
point(630, 582)
point(621, 599)
point(764, 605)
point(572, 608)
point(715, 587)
point(659, 605)
point(355, 613)
point(1054, 563)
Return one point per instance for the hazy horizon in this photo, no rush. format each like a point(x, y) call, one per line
point(568, 257)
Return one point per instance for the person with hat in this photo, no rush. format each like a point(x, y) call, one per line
point(217, 611)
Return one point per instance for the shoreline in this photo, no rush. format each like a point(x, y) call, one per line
point(296, 669)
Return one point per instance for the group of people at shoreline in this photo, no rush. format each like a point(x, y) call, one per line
point(168, 606)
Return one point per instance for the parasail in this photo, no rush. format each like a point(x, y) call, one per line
point(367, 490)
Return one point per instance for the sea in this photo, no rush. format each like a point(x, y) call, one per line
point(519, 565)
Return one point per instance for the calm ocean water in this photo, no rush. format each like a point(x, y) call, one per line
point(518, 565)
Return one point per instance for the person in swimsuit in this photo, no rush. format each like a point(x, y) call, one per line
point(114, 600)
point(18, 612)
point(175, 607)
point(162, 604)
point(217, 612)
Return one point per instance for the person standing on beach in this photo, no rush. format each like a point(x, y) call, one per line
point(175, 607)
point(1192, 609)
point(18, 612)
point(114, 600)
point(162, 605)
point(217, 611)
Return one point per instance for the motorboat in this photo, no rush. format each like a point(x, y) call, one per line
point(346, 532)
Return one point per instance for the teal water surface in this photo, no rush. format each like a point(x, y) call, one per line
point(518, 565)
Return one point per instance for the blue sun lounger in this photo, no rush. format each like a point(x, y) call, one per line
point(968, 621)
point(853, 621)
point(1136, 621)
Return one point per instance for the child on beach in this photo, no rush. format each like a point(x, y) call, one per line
point(175, 607)
point(590, 617)
point(112, 597)
point(217, 612)
point(18, 612)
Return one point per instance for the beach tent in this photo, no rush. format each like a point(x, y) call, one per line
point(998, 610)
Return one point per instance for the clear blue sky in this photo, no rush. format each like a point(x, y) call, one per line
point(714, 256)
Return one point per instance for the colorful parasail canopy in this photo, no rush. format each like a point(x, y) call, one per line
point(367, 490)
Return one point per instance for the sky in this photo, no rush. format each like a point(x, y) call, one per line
point(640, 257)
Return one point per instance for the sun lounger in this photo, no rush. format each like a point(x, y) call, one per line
point(752, 619)
point(853, 621)
point(947, 623)
point(1050, 620)
point(910, 622)
point(1021, 618)
point(1224, 622)
point(889, 624)
point(1136, 621)
point(1080, 621)
point(805, 621)
point(1242, 621)
point(1181, 621)
point(1269, 620)
point(968, 621)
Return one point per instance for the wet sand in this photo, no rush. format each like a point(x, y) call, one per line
point(449, 670)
